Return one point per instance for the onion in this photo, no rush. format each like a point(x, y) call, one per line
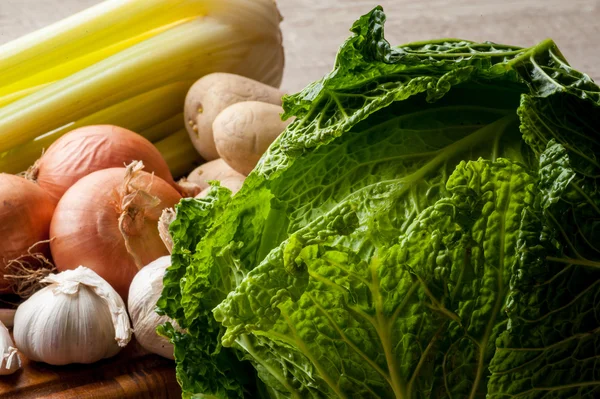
point(91, 148)
point(108, 221)
point(25, 214)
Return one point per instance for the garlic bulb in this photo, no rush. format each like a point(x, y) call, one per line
point(9, 358)
point(78, 318)
point(144, 292)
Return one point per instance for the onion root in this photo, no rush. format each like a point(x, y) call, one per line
point(25, 272)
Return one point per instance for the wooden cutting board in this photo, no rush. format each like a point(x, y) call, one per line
point(133, 373)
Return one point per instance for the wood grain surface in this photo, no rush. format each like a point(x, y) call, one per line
point(313, 29)
point(132, 374)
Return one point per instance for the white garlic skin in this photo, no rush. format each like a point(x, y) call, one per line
point(9, 358)
point(144, 291)
point(58, 329)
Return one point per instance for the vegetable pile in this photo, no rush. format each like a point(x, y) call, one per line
point(107, 227)
point(427, 227)
point(94, 117)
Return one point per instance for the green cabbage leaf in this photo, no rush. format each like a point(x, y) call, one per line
point(428, 226)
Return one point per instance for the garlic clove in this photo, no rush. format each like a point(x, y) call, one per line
point(78, 318)
point(9, 358)
point(144, 292)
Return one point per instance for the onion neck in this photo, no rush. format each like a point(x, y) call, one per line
point(33, 171)
point(131, 223)
point(134, 201)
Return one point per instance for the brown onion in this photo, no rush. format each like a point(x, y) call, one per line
point(108, 222)
point(25, 214)
point(91, 148)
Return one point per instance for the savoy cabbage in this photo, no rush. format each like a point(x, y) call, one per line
point(427, 227)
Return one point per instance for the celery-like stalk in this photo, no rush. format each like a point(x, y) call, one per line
point(33, 83)
point(140, 68)
point(179, 152)
point(120, 49)
point(98, 27)
point(152, 114)
point(20, 93)
point(118, 21)
point(163, 129)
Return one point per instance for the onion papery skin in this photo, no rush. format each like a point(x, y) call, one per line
point(85, 226)
point(25, 214)
point(92, 148)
